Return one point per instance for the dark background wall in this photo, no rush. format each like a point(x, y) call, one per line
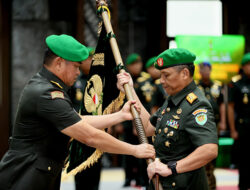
point(138, 24)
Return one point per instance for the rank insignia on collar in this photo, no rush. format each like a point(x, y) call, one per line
point(57, 94)
point(172, 123)
point(179, 110)
point(191, 97)
point(176, 117)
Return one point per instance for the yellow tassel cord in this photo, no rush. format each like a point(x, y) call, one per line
point(114, 106)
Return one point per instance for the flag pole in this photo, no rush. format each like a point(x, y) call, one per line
point(104, 11)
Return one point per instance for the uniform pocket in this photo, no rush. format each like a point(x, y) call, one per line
point(48, 166)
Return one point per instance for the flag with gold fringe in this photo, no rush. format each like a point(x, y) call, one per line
point(101, 96)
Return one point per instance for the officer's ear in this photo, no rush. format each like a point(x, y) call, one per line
point(185, 73)
point(59, 63)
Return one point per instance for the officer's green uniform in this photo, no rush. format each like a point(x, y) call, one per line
point(38, 148)
point(182, 124)
point(239, 94)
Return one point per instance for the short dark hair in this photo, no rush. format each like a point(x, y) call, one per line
point(48, 56)
point(190, 68)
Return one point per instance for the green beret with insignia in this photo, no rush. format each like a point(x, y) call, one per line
point(150, 62)
point(67, 47)
point(91, 51)
point(245, 59)
point(174, 57)
point(134, 57)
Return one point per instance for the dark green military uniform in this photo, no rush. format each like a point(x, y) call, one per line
point(239, 94)
point(182, 124)
point(38, 148)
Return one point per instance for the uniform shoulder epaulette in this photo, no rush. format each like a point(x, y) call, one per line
point(191, 97)
point(57, 84)
point(217, 82)
point(157, 82)
point(236, 78)
point(144, 76)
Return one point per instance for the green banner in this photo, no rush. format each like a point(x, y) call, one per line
point(223, 52)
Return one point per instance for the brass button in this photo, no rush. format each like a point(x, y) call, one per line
point(173, 184)
point(168, 109)
point(49, 168)
point(170, 134)
point(167, 144)
point(166, 130)
point(159, 131)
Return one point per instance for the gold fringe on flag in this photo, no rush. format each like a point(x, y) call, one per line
point(114, 106)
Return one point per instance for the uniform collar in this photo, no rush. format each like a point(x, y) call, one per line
point(176, 99)
point(53, 79)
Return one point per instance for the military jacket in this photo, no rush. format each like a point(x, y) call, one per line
point(37, 147)
point(213, 92)
point(182, 124)
point(239, 93)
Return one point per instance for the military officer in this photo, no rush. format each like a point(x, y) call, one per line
point(183, 129)
point(46, 119)
point(239, 121)
point(213, 92)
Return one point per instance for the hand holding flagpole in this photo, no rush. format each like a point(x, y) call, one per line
point(104, 12)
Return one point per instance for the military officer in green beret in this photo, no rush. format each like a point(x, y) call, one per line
point(46, 120)
point(183, 129)
point(239, 120)
point(212, 89)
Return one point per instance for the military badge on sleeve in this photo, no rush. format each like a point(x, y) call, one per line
point(200, 116)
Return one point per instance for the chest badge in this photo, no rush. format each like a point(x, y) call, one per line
point(179, 111)
point(245, 99)
point(170, 134)
point(166, 130)
point(163, 112)
point(176, 117)
point(172, 123)
point(167, 144)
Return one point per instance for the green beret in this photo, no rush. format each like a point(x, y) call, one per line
point(134, 57)
point(67, 47)
point(150, 62)
point(174, 57)
point(245, 59)
point(91, 51)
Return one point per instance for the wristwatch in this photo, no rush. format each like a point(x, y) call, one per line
point(172, 165)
